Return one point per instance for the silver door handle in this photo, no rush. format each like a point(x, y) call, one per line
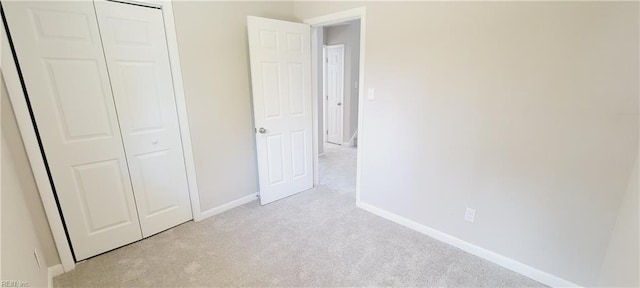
point(262, 130)
point(339, 104)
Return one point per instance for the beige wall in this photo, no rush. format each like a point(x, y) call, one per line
point(526, 112)
point(620, 267)
point(214, 56)
point(24, 225)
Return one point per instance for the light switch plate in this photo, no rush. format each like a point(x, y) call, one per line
point(470, 215)
point(371, 94)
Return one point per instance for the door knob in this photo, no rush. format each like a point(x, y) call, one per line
point(262, 130)
point(339, 104)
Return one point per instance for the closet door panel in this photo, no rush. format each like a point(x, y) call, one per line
point(61, 57)
point(137, 57)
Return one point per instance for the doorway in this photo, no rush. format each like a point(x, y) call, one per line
point(338, 133)
point(286, 124)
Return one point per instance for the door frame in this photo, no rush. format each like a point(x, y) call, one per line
point(321, 21)
point(36, 156)
point(324, 90)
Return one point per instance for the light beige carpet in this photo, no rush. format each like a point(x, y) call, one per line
point(315, 238)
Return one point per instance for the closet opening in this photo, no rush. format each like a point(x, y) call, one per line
point(97, 93)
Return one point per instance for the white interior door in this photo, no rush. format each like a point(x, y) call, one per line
point(335, 93)
point(62, 62)
point(138, 60)
point(281, 77)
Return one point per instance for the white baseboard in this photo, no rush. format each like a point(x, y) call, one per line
point(513, 265)
point(228, 206)
point(54, 271)
point(349, 144)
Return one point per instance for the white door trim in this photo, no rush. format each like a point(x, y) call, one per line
point(339, 17)
point(36, 161)
point(18, 101)
point(324, 91)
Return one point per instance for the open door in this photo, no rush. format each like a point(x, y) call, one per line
point(335, 93)
point(280, 55)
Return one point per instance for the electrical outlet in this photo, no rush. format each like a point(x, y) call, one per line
point(470, 215)
point(35, 254)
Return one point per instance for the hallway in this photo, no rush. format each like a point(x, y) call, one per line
point(337, 169)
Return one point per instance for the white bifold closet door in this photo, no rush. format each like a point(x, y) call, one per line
point(115, 157)
point(138, 61)
point(62, 62)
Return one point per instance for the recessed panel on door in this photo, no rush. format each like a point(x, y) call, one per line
point(271, 89)
point(62, 62)
point(78, 92)
point(296, 85)
point(156, 182)
point(103, 195)
point(138, 61)
point(144, 104)
point(275, 159)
